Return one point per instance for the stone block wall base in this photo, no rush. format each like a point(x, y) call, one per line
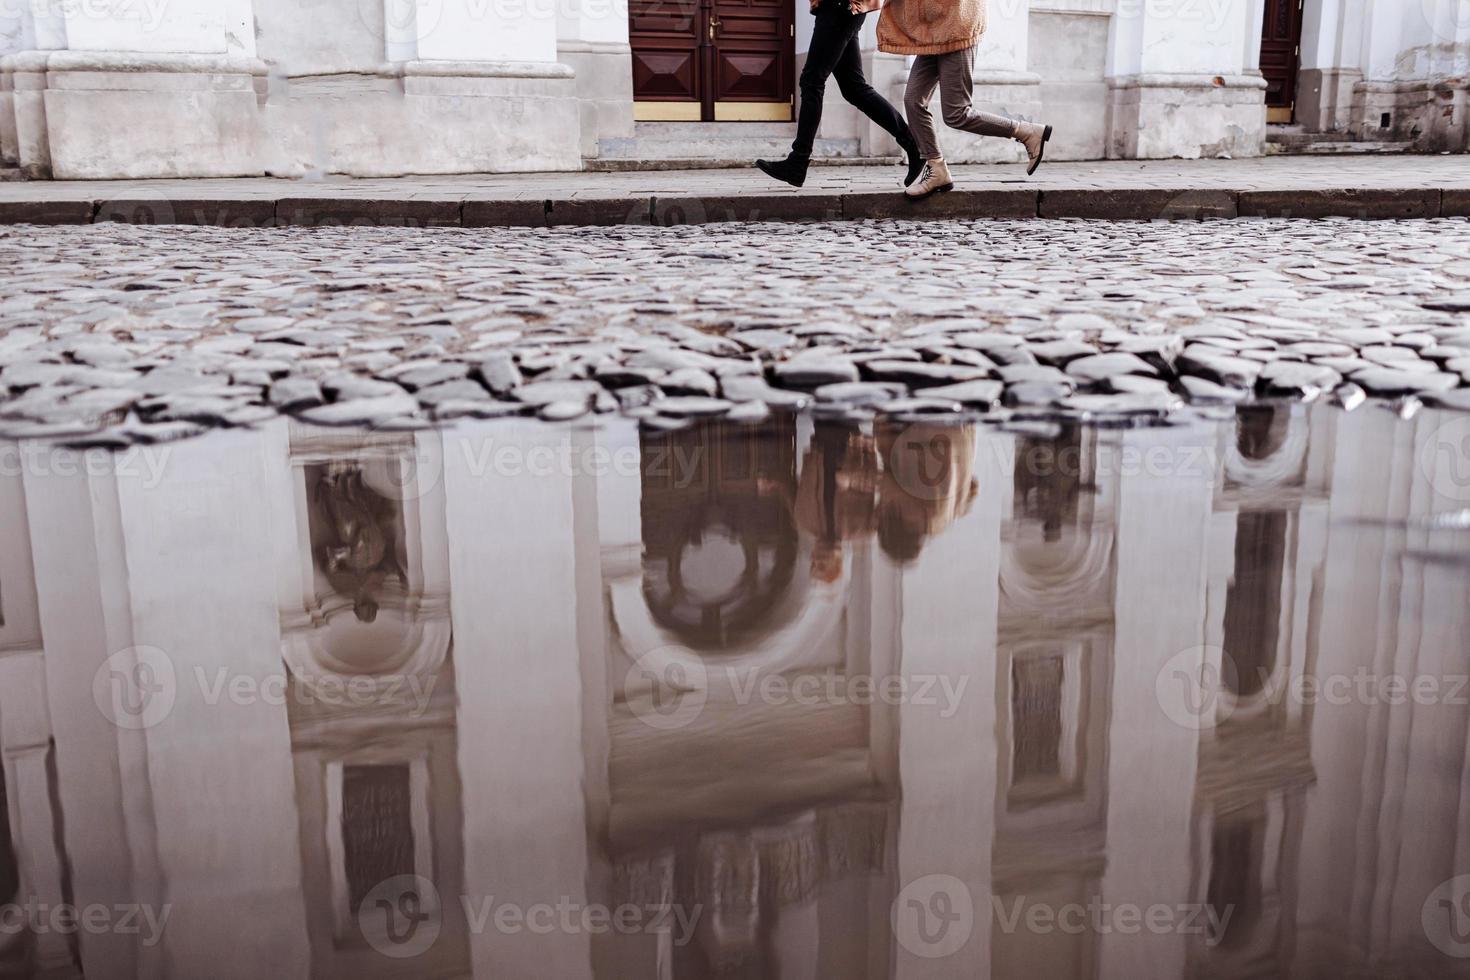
point(1158, 117)
point(433, 121)
point(1432, 115)
point(1324, 98)
point(93, 115)
point(604, 90)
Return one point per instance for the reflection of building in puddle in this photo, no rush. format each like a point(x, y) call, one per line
point(770, 817)
point(1054, 657)
point(365, 627)
point(1268, 538)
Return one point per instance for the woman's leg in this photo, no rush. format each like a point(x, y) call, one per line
point(957, 95)
point(923, 80)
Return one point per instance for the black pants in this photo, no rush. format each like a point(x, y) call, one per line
point(835, 52)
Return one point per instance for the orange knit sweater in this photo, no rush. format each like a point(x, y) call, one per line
point(930, 26)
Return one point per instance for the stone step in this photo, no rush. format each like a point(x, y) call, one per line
point(615, 165)
point(687, 142)
point(1336, 146)
point(691, 151)
point(712, 130)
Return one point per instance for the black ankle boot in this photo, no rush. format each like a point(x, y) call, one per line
point(792, 169)
point(915, 159)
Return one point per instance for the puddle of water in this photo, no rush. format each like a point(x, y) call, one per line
point(801, 700)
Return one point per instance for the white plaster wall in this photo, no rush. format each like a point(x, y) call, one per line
point(486, 30)
point(322, 37)
point(196, 26)
point(1180, 37)
point(599, 21)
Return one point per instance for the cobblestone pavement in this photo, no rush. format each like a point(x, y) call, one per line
point(114, 333)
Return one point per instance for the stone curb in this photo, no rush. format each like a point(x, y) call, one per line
point(1119, 204)
point(1359, 203)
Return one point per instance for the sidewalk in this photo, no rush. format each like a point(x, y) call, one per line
point(1283, 187)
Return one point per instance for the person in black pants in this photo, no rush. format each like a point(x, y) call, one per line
point(835, 51)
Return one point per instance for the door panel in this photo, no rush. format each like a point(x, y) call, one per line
point(1280, 55)
point(713, 59)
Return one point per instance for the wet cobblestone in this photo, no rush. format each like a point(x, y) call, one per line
point(114, 333)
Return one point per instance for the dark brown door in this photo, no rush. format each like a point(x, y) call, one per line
point(712, 59)
point(1281, 39)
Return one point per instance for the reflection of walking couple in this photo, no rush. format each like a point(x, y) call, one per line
point(942, 34)
point(905, 485)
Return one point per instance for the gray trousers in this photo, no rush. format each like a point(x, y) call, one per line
point(952, 74)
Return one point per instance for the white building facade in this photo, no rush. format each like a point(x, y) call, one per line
point(171, 88)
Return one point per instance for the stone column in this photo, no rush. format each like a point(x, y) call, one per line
point(1331, 65)
point(1153, 753)
point(135, 90)
point(592, 39)
point(947, 747)
point(1180, 82)
point(509, 496)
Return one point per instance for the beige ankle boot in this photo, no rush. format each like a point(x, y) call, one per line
point(1033, 136)
point(934, 179)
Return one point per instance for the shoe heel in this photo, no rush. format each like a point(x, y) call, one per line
point(946, 189)
point(1046, 135)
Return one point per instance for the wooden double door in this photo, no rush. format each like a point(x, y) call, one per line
point(1281, 42)
point(713, 59)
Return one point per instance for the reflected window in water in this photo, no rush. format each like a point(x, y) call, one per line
point(1234, 892)
point(1036, 714)
point(718, 530)
point(1253, 599)
point(1261, 430)
point(9, 866)
point(377, 827)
